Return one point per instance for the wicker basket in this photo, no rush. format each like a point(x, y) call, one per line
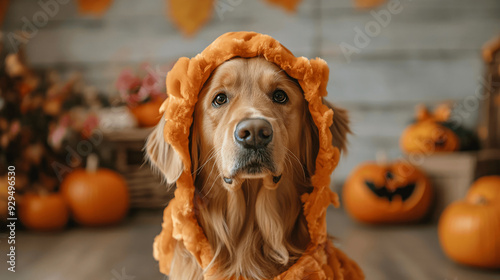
point(123, 151)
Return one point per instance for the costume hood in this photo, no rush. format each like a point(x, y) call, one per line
point(321, 259)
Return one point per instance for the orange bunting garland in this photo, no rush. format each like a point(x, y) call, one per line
point(368, 4)
point(190, 15)
point(94, 7)
point(289, 5)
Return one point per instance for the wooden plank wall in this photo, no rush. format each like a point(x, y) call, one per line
point(429, 51)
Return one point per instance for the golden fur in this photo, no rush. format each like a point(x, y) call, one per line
point(256, 228)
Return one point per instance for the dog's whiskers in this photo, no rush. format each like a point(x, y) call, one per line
point(211, 176)
point(213, 184)
point(290, 166)
point(212, 153)
point(289, 152)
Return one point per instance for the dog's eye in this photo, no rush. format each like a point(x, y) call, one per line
point(219, 100)
point(280, 96)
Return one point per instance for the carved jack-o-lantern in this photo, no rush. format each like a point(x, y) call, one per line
point(428, 137)
point(430, 133)
point(387, 193)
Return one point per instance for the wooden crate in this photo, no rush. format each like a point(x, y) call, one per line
point(451, 174)
point(488, 162)
point(123, 150)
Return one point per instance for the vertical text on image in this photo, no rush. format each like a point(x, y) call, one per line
point(11, 218)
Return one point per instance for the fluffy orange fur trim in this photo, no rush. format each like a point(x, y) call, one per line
point(184, 82)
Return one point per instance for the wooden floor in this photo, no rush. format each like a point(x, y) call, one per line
point(125, 252)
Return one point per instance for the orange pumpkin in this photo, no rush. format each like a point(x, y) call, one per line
point(428, 135)
point(387, 193)
point(147, 114)
point(43, 212)
point(469, 230)
point(96, 196)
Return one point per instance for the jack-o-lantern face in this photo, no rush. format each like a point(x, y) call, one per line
point(428, 134)
point(387, 193)
point(428, 137)
point(391, 189)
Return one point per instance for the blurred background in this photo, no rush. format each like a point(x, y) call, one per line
point(82, 80)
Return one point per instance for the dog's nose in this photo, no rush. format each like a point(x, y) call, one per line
point(253, 133)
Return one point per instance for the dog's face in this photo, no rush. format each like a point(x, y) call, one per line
point(249, 114)
point(252, 121)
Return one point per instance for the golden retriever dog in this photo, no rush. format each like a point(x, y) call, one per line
point(253, 147)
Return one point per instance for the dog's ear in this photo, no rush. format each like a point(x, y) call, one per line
point(340, 127)
point(162, 156)
point(339, 130)
point(310, 146)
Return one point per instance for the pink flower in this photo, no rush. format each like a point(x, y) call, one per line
point(89, 125)
point(127, 82)
point(135, 91)
point(58, 133)
point(151, 86)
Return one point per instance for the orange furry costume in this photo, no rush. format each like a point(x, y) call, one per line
point(321, 260)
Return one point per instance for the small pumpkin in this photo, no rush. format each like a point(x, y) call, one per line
point(43, 212)
point(387, 193)
point(147, 114)
point(469, 230)
point(429, 134)
point(96, 196)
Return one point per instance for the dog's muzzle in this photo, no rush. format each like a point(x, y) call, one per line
point(253, 133)
point(253, 136)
